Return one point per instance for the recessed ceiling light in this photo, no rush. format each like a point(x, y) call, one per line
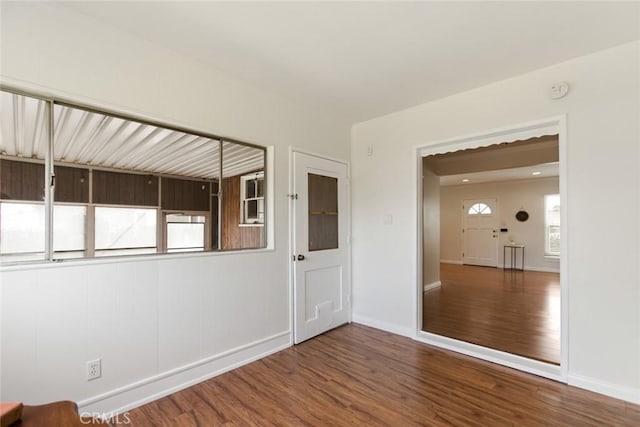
point(465, 180)
point(536, 173)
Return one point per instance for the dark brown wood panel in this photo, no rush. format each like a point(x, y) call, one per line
point(323, 212)
point(21, 180)
point(323, 194)
point(72, 185)
point(182, 194)
point(234, 236)
point(214, 215)
point(125, 189)
point(513, 311)
point(355, 375)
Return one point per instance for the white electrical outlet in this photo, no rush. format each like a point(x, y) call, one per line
point(94, 369)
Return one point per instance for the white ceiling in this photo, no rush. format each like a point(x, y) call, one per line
point(546, 170)
point(365, 59)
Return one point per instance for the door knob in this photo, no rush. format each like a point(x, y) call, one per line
point(300, 257)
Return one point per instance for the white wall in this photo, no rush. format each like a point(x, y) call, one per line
point(156, 323)
point(603, 185)
point(512, 196)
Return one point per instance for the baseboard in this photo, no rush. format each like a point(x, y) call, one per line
point(451, 261)
point(541, 269)
point(432, 286)
point(384, 326)
point(628, 394)
point(136, 394)
point(546, 370)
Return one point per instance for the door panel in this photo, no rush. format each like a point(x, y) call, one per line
point(480, 232)
point(320, 245)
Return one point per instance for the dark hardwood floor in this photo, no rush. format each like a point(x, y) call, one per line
point(513, 311)
point(355, 375)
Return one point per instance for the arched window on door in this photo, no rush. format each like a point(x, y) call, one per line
point(479, 209)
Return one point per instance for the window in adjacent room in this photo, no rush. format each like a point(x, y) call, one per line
point(252, 198)
point(552, 224)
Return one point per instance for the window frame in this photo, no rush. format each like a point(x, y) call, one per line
point(208, 244)
point(49, 185)
point(258, 175)
point(547, 227)
point(481, 209)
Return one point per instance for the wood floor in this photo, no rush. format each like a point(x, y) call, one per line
point(355, 375)
point(513, 311)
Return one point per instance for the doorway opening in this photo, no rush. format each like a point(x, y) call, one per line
point(488, 284)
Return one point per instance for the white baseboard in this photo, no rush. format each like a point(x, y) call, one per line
point(384, 326)
point(614, 390)
point(136, 394)
point(531, 268)
point(546, 370)
point(451, 261)
point(432, 286)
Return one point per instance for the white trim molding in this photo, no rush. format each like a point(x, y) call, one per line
point(614, 390)
point(451, 261)
point(544, 126)
point(136, 394)
point(546, 370)
point(384, 326)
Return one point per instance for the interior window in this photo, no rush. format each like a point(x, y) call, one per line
point(109, 185)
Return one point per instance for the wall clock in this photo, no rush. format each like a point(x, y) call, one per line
point(522, 216)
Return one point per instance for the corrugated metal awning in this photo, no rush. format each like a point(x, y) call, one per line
point(87, 138)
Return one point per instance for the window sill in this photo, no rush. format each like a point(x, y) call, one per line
point(78, 262)
point(250, 225)
point(552, 257)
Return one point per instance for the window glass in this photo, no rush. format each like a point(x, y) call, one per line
point(24, 142)
point(69, 235)
point(552, 224)
point(185, 233)
point(252, 198)
point(243, 197)
point(125, 228)
point(113, 178)
point(479, 209)
point(323, 212)
point(22, 231)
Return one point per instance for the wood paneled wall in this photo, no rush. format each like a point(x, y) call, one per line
point(72, 185)
point(214, 215)
point(125, 189)
point(181, 194)
point(234, 236)
point(21, 180)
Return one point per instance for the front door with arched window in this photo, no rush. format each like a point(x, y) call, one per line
point(480, 232)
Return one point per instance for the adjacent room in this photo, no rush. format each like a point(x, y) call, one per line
point(319, 213)
point(491, 236)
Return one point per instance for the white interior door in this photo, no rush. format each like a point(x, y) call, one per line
point(480, 232)
point(320, 245)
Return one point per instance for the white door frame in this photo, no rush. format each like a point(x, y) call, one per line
point(512, 133)
point(290, 251)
